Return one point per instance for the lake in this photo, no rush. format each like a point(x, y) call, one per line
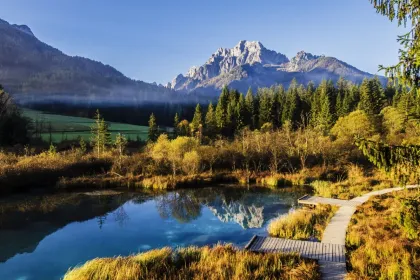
point(42, 236)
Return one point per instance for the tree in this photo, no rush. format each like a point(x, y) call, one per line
point(240, 113)
point(393, 122)
point(266, 103)
point(100, 134)
point(197, 120)
point(120, 144)
point(407, 70)
point(14, 128)
point(221, 109)
point(356, 123)
point(191, 162)
point(153, 129)
point(250, 115)
point(210, 121)
point(176, 122)
point(371, 97)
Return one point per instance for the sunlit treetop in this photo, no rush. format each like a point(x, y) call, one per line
point(406, 12)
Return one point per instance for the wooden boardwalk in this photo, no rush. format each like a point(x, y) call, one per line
point(307, 249)
point(330, 252)
point(316, 200)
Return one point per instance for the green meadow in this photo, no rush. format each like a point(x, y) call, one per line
point(60, 127)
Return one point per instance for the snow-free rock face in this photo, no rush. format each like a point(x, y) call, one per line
point(224, 61)
point(250, 64)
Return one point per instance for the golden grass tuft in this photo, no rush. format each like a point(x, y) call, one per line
point(378, 245)
point(219, 262)
point(303, 223)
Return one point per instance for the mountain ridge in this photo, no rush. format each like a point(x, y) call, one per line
point(250, 64)
point(33, 71)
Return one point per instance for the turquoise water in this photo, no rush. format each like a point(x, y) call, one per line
point(41, 237)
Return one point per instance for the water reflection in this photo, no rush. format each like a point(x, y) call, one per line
point(248, 208)
point(42, 236)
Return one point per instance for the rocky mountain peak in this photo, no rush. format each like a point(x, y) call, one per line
point(224, 60)
point(303, 56)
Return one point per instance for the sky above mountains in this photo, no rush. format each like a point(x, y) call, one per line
point(155, 40)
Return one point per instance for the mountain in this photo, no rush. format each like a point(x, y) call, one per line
point(34, 72)
point(250, 64)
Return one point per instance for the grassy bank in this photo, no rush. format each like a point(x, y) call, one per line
point(383, 239)
point(24, 173)
point(219, 262)
point(303, 224)
point(356, 181)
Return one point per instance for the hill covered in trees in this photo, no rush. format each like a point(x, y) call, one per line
point(35, 72)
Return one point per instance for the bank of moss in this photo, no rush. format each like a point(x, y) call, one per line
point(219, 262)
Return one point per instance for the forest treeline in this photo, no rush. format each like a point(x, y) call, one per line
point(391, 108)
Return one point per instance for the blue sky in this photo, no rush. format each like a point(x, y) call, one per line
point(155, 40)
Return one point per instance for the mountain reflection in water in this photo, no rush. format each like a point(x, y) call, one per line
point(70, 228)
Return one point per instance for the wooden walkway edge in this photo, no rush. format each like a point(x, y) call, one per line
point(307, 249)
point(331, 251)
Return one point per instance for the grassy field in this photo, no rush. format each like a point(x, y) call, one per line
point(70, 128)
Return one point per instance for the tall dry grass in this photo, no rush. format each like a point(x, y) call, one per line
point(219, 262)
point(22, 173)
point(378, 241)
point(303, 223)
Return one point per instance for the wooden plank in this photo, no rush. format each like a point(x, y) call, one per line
point(248, 245)
point(269, 244)
point(257, 245)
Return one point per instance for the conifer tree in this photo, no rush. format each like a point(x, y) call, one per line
point(265, 107)
point(371, 97)
point(153, 129)
point(120, 144)
point(221, 109)
point(240, 113)
point(176, 123)
point(210, 121)
point(250, 109)
point(100, 134)
point(230, 118)
point(197, 120)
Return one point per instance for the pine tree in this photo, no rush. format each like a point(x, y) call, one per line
point(210, 121)
point(265, 107)
point(342, 92)
point(371, 97)
point(221, 110)
point(176, 123)
point(278, 102)
point(230, 118)
point(153, 129)
point(250, 109)
point(100, 134)
point(197, 120)
point(240, 113)
point(120, 144)
point(291, 111)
